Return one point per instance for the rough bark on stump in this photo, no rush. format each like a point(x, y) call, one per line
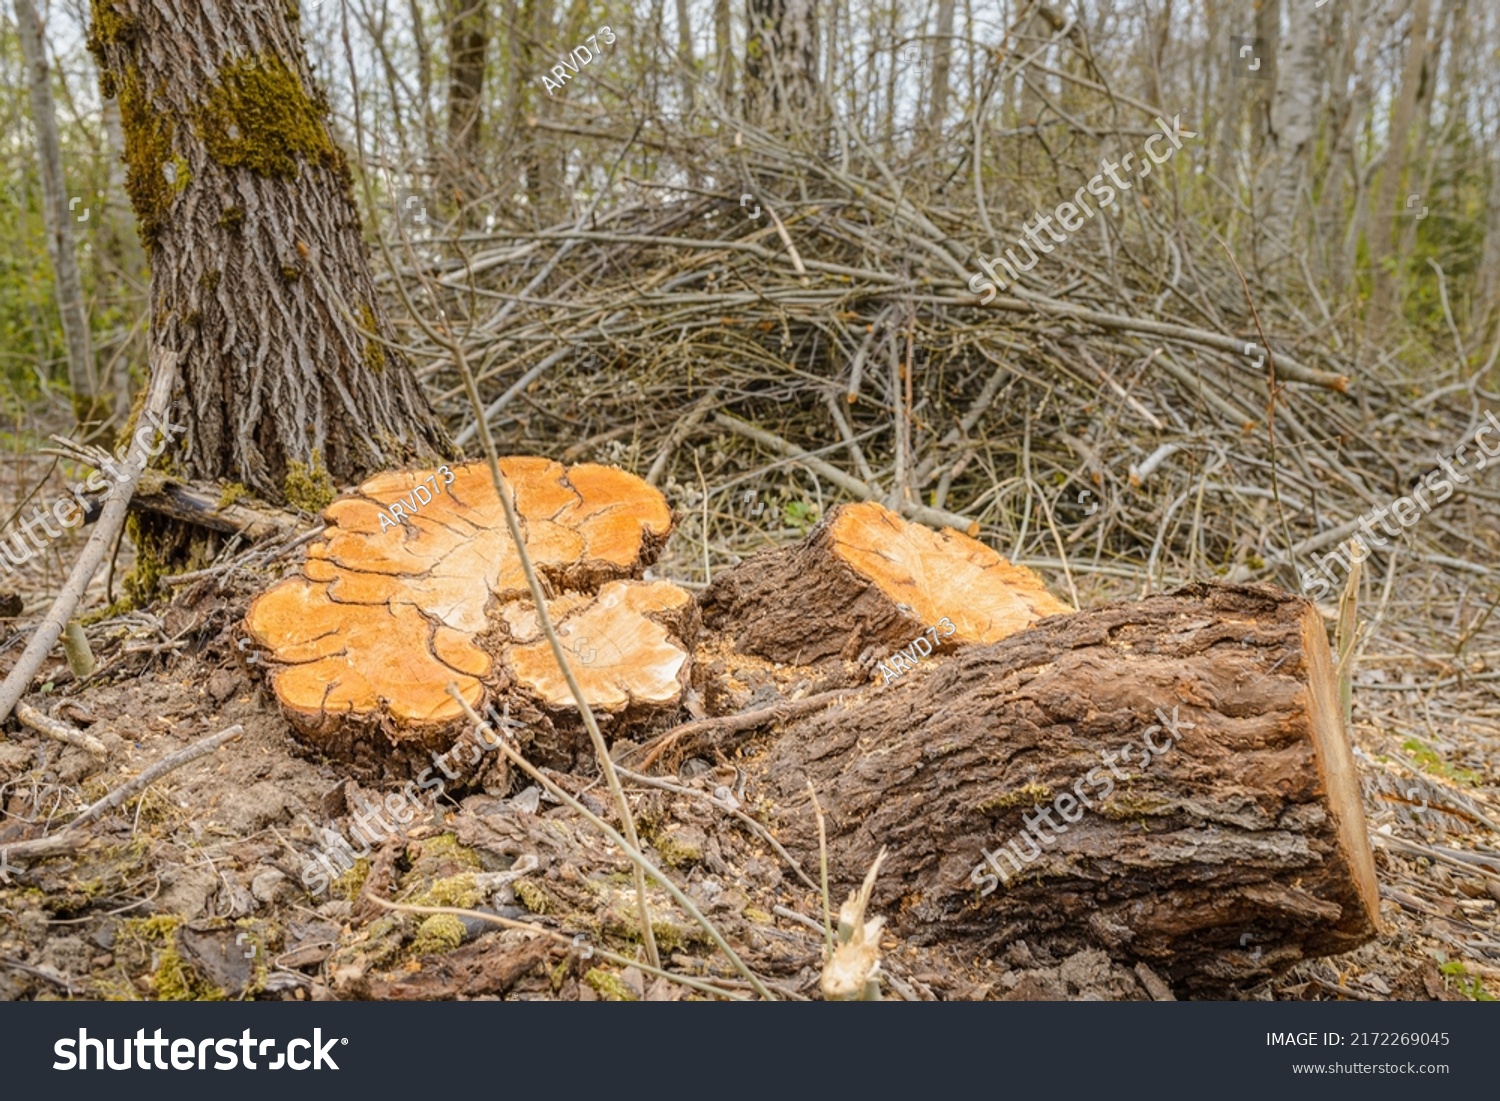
point(387, 612)
point(864, 584)
point(1235, 853)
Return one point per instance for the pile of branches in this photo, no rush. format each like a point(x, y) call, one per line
point(786, 326)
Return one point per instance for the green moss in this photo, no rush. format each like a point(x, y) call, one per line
point(233, 219)
point(119, 607)
point(670, 937)
point(556, 976)
point(210, 280)
point(1124, 806)
point(260, 116)
point(374, 352)
point(532, 896)
point(1030, 795)
point(149, 136)
point(439, 933)
point(174, 979)
point(676, 852)
point(609, 986)
point(233, 492)
point(446, 846)
point(177, 174)
point(290, 273)
point(141, 585)
point(456, 890)
point(381, 945)
point(308, 487)
point(353, 881)
point(162, 547)
point(110, 26)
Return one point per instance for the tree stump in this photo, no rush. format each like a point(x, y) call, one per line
point(837, 608)
point(1222, 853)
point(416, 585)
point(1168, 779)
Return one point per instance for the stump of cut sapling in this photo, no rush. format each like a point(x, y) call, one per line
point(866, 595)
point(416, 584)
point(1168, 779)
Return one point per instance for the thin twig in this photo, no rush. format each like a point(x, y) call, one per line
point(111, 522)
point(56, 728)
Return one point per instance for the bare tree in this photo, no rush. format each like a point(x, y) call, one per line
point(88, 405)
point(942, 54)
point(468, 43)
point(781, 60)
point(1293, 123)
point(1393, 166)
point(259, 277)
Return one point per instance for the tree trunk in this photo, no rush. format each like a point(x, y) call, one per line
point(1168, 779)
point(88, 404)
point(122, 247)
point(259, 275)
point(685, 53)
point(1388, 200)
point(942, 57)
point(1293, 126)
point(468, 43)
point(781, 63)
point(724, 47)
point(543, 172)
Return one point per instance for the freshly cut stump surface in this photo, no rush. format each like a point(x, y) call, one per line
point(1237, 851)
point(862, 585)
point(397, 602)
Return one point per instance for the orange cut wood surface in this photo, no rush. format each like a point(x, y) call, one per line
point(620, 650)
point(941, 574)
point(388, 611)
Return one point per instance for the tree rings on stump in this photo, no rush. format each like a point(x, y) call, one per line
point(408, 588)
point(629, 647)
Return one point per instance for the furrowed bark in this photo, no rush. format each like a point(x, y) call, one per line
point(1238, 851)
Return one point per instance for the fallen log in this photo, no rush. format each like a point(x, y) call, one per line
point(205, 506)
point(1168, 779)
point(843, 604)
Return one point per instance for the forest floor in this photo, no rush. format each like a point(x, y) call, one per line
point(195, 888)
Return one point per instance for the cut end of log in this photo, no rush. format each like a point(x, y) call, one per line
point(863, 585)
point(940, 575)
point(396, 601)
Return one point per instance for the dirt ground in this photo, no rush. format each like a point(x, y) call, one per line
point(195, 889)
